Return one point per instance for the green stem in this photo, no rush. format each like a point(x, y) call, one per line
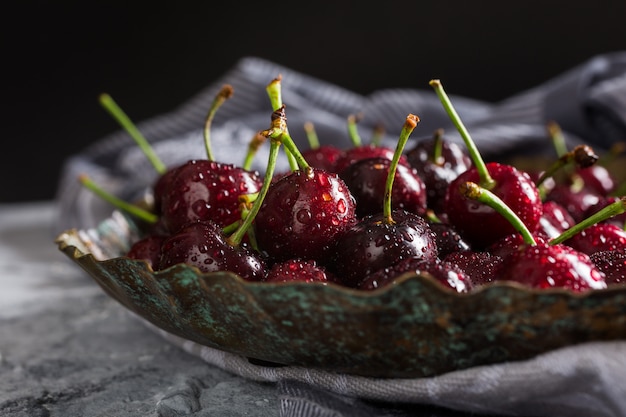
point(236, 238)
point(132, 209)
point(224, 94)
point(486, 181)
point(377, 135)
point(476, 192)
point(437, 155)
point(557, 137)
point(274, 92)
point(311, 135)
point(118, 114)
point(353, 131)
point(613, 209)
point(253, 147)
point(408, 127)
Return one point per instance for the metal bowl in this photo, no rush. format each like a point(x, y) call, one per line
point(413, 328)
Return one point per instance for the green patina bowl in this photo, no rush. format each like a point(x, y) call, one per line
point(412, 328)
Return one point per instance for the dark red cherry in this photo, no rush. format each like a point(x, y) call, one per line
point(575, 199)
point(298, 270)
point(447, 274)
point(438, 162)
point(598, 237)
point(351, 155)
point(203, 245)
point(366, 179)
point(479, 224)
point(618, 220)
point(302, 215)
point(612, 263)
point(550, 266)
point(554, 220)
point(147, 248)
point(481, 267)
point(448, 239)
point(597, 178)
point(375, 243)
point(323, 157)
point(207, 190)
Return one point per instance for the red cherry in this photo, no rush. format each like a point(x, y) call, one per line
point(554, 220)
point(598, 237)
point(207, 190)
point(147, 248)
point(438, 162)
point(478, 223)
point(481, 225)
point(366, 179)
point(548, 266)
point(203, 245)
point(446, 273)
point(375, 243)
point(612, 263)
point(481, 267)
point(303, 213)
point(298, 270)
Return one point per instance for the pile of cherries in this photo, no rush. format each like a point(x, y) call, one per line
point(360, 217)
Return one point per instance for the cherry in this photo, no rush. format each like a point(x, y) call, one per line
point(481, 267)
point(594, 233)
point(320, 156)
point(554, 220)
point(479, 224)
point(438, 162)
point(618, 220)
point(612, 263)
point(446, 273)
point(538, 263)
point(298, 270)
point(380, 240)
point(203, 244)
point(598, 237)
point(448, 239)
point(304, 211)
point(362, 151)
point(207, 190)
point(366, 179)
point(204, 189)
point(147, 248)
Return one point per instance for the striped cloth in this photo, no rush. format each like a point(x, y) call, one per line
point(588, 102)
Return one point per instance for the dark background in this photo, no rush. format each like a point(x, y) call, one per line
point(152, 56)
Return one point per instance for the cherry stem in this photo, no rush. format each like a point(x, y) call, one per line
point(557, 137)
point(377, 135)
point(408, 127)
point(311, 135)
point(236, 238)
point(224, 94)
point(253, 147)
point(476, 192)
point(486, 181)
point(132, 209)
point(582, 155)
point(437, 155)
point(122, 118)
point(353, 130)
point(613, 209)
point(274, 92)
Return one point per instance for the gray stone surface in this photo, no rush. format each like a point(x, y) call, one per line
point(67, 349)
